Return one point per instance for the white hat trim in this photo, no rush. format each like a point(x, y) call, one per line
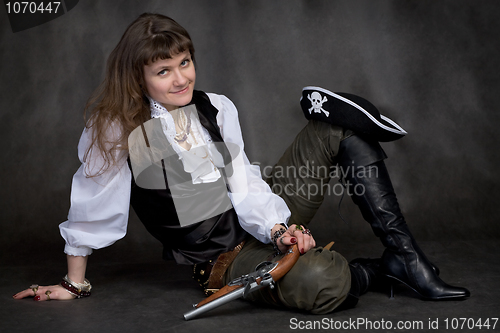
point(399, 129)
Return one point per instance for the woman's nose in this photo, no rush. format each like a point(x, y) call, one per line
point(180, 79)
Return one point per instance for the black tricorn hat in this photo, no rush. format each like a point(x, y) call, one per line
point(349, 111)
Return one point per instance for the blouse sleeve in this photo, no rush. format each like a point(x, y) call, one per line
point(257, 207)
point(99, 210)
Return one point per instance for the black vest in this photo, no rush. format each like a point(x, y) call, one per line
point(195, 243)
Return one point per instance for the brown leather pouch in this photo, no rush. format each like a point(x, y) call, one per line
point(209, 274)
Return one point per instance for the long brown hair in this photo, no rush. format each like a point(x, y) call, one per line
point(121, 98)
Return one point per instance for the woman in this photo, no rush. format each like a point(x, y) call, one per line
point(153, 141)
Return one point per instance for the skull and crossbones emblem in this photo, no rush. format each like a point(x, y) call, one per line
point(317, 103)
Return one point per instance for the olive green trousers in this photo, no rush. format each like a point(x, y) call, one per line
point(320, 280)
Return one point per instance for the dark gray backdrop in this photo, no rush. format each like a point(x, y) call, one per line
point(432, 66)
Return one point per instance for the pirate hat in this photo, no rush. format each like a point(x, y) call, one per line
point(349, 111)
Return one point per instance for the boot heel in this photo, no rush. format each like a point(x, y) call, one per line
point(393, 280)
point(391, 291)
point(389, 283)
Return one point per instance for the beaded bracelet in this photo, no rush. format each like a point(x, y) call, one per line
point(277, 234)
point(79, 290)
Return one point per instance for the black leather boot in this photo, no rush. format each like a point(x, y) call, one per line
point(371, 189)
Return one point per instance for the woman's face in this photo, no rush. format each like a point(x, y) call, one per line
point(171, 81)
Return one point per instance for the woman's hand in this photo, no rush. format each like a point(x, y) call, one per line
point(299, 235)
point(45, 293)
point(75, 281)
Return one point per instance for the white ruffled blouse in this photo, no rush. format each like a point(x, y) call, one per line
point(99, 210)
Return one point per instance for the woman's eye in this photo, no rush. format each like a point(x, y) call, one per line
point(163, 72)
point(185, 63)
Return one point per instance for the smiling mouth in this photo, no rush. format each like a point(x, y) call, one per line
point(181, 91)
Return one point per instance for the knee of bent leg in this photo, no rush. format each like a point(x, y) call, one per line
point(357, 151)
point(318, 283)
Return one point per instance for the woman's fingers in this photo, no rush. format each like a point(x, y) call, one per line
point(305, 240)
point(43, 295)
point(299, 235)
point(52, 293)
point(285, 241)
point(32, 291)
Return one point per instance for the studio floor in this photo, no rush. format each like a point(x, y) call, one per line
point(141, 295)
